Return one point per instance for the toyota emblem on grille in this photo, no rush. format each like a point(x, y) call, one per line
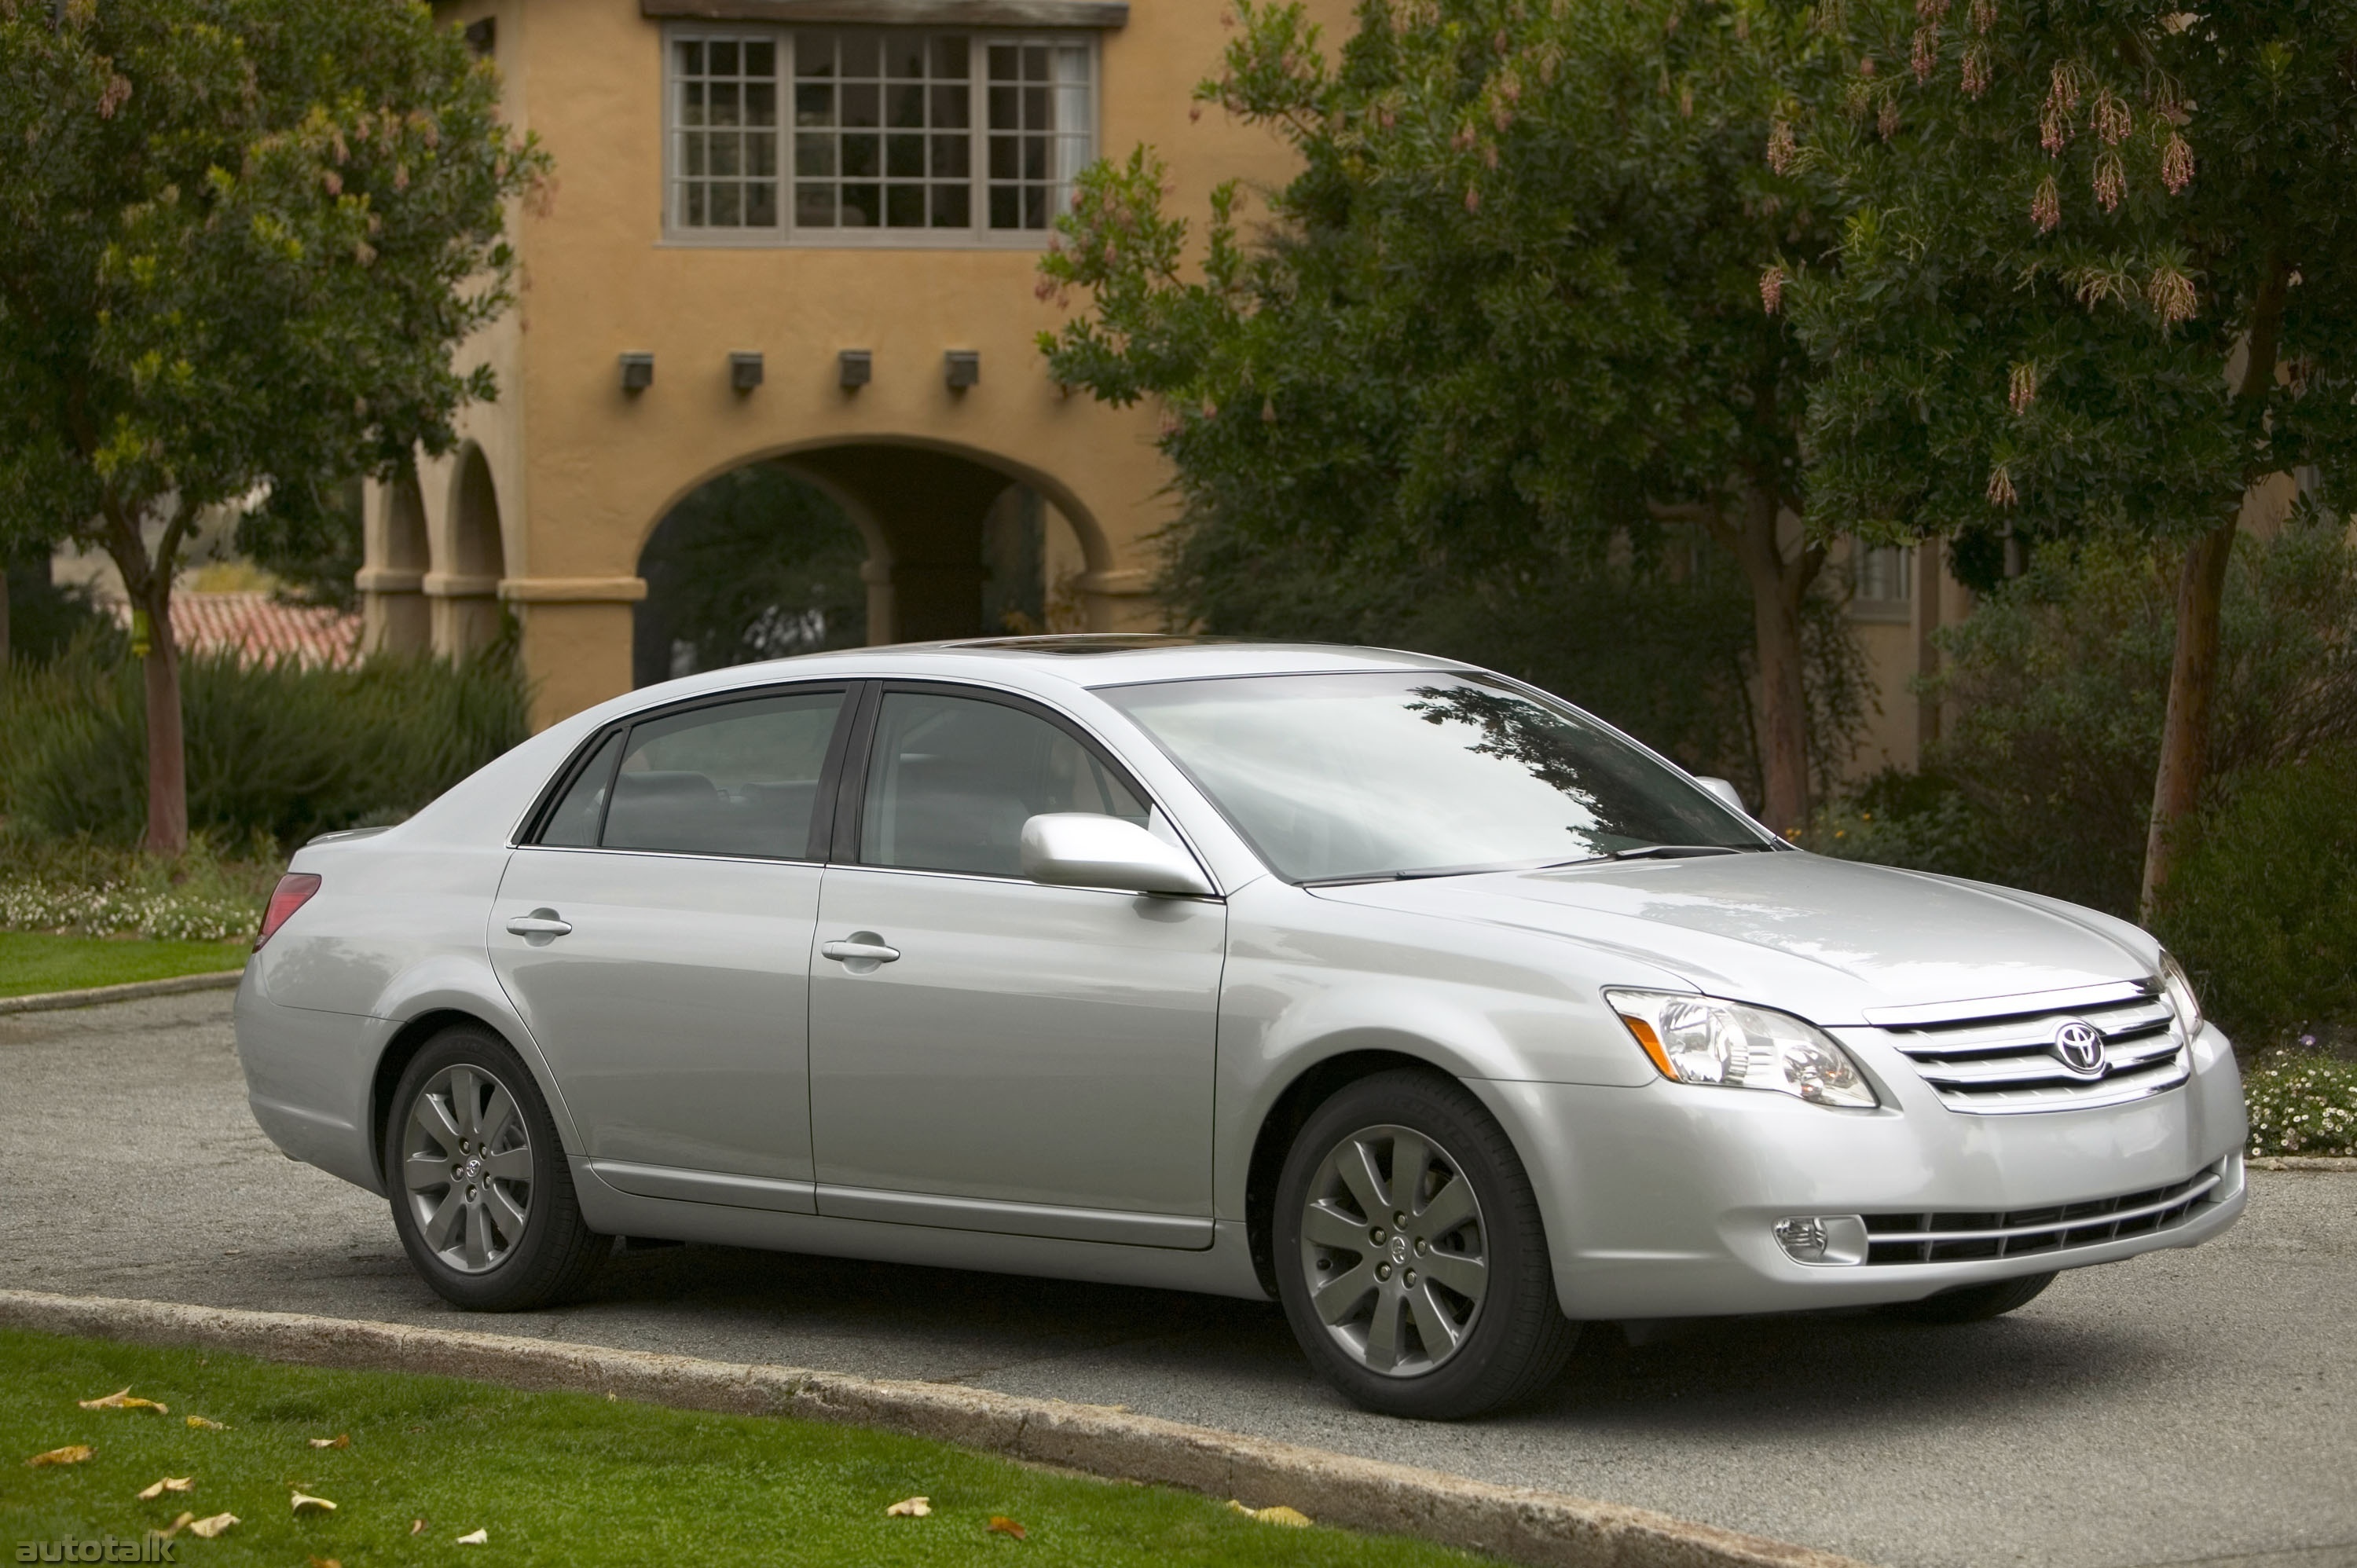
point(2080, 1046)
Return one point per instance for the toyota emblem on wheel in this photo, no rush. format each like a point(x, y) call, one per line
point(2080, 1046)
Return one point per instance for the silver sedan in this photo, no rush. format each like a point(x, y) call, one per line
point(1399, 991)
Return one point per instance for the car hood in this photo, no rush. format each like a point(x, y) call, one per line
point(1825, 939)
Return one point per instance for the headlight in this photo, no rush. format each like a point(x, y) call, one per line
point(2178, 986)
point(1701, 1039)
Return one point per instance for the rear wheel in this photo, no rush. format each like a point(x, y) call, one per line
point(482, 1194)
point(1971, 1304)
point(1411, 1259)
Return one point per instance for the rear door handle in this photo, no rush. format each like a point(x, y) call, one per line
point(854, 950)
point(540, 923)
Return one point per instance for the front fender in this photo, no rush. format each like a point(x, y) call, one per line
point(1309, 978)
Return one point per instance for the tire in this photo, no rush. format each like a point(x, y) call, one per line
point(1469, 1269)
point(1971, 1304)
point(482, 1194)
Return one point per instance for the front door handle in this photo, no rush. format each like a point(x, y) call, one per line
point(862, 947)
point(540, 923)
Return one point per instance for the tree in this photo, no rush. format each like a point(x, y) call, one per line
point(2097, 274)
point(239, 240)
point(1512, 309)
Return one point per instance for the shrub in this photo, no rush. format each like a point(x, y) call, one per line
point(2302, 1102)
point(2264, 909)
point(279, 749)
point(2055, 690)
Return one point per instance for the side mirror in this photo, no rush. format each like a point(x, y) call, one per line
point(1724, 791)
point(1080, 849)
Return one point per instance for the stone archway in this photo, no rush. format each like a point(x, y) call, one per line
point(465, 596)
point(395, 614)
point(957, 543)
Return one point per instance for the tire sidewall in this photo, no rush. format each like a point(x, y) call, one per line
point(1491, 1366)
point(519, 1277)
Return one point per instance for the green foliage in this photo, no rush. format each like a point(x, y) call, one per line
point(1667, 658)
point(754, 564)
point(2301, 1102)
point(310, 540)
point(44, 616)
point(2055, 691)
point(2062, 224)
point(2263, 911)
point(253, 233)
point(85, 887)
point(277, 749)
point(570, 1480)
point(1505, 327)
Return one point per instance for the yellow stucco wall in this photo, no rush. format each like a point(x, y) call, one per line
point(583, 471)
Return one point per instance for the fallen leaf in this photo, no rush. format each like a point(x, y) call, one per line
point(417, 1527)
point(341, 1440)
point(201, 1425)
point(474, 1537)
point(303, 1501)
point(178, 1525)
point(324, 1563)
point(1001, 1525)
point(209, 1527)
point(910, 1507)
point(122, 1399)
point(169, 1484)
point(71, 1453)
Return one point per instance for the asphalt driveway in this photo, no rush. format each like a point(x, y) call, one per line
point(2187, 1407)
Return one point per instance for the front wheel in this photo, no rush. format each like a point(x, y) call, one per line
point(1411, 1259)
point(481, 1196)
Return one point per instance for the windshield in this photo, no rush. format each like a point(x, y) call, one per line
point(1365, 776)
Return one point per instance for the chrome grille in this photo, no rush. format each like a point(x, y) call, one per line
point(1999, 1066)
point(1957, 1237)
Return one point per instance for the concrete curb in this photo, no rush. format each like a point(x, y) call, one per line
point(47, 1001)
point(2303, 1163)
point(1519, 1524)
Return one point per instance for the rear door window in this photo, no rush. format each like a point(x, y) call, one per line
point(737, 778)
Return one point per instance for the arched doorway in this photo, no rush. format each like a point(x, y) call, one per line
point(756, 564)
point(466, 596)
point(845, 545)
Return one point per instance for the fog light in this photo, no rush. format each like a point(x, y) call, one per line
point(1822, 1237)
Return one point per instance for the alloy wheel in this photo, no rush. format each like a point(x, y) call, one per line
point(1393, 1250)
point(467, 1167)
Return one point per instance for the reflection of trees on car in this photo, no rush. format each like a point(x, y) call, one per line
point(1587, 765)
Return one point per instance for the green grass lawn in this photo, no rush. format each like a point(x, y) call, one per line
point(557, 1478)
point(33, 961)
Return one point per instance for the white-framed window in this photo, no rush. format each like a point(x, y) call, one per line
point(1882, 579)
point(885, 135)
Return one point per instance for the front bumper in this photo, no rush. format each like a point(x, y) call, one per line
point(1662, 1201)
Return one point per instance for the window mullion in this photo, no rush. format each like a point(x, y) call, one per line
point(977, 131)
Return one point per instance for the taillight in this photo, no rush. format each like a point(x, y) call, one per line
point(293, 890)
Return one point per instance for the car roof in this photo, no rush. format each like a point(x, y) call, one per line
point(1097, 659)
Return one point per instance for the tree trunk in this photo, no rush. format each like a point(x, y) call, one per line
point(2200, 592)
point(168, 776)
point(1778, 586)
point(3, 617)
point(2184, 733)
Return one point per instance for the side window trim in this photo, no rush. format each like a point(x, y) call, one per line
point(537, 822)
point(852, 804)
